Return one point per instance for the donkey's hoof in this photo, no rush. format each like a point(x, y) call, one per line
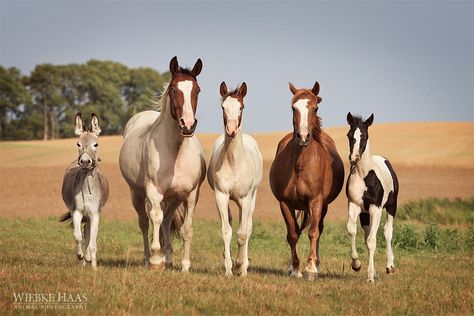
point(157, 267)
point(390, 270)
point(310, 276)
point(356, 265)
point(80, 256)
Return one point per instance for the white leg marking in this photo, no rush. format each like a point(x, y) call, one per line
point(222, 201)
point(155, 213)
point(388, 230)
point(375, 215)
point(187, 229)
point(354, 212)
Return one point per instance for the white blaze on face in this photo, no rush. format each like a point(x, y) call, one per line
point(355, 149)
point(302, 107)
point(188, 115)
point(231, 108)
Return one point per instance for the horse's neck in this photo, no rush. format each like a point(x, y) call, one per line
point(166, 129)
point(234, 148)
point(366, 162)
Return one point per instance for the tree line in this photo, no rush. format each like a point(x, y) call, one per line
point(43, 104)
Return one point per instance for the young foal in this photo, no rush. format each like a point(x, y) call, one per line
point(307, 174)
point(372, 185)
point(85, 190)
point(235, 171)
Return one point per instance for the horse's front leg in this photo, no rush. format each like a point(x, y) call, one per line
point(222, 202)
point(375, 215)
point(187, 229)
point(165, 236)
point(315, 209)
point(93, 238)
point(155, 213)
point(292, 236)
point(76, 222)
point(243, 234)
point(354, 211)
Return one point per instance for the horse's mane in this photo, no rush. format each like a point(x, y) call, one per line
point(160, 104)
point(358, 119)
point(317, 128)
point(233, 92)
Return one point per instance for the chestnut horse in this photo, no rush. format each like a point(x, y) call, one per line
point(306, 175)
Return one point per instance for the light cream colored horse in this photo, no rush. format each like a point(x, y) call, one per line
point(85, 190)
point(163, 164)
point(235, 171)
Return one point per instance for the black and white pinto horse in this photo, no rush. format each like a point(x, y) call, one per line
point(371, 186)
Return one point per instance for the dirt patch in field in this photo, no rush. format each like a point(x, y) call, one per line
point(36, 192)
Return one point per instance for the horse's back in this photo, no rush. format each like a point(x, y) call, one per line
point(139, 121)
point(251, 147)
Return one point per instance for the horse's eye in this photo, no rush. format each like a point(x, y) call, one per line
point(172, 90)
point(78, 144)
point(96, 145)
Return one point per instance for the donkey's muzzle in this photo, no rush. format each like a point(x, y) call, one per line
point(85, 161)
point(188, 131)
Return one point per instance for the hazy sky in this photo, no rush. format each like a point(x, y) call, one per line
point(403, 61)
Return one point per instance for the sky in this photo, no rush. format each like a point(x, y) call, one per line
point(402, 61)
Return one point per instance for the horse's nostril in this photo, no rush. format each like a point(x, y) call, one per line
point(298, 135)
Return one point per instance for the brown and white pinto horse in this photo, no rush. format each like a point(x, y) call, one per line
point(306, 175)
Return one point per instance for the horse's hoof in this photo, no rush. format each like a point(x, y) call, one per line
point(169, 265)
point(356, 265)
point(157, 267)
point(229, 274)
point(390, 270)
point(370, 280)
point(310, 276)
point(80, 256)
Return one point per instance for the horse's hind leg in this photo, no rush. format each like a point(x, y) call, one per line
point(165, 233)
point(76, 222)
point(321, 228)
point(375, 215)
point(388, 230)
point(316, 209)
point(138, 202)
point(292, 236)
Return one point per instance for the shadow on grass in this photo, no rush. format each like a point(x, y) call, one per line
point(119, 263)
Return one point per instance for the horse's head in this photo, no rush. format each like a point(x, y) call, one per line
point(358, 136)
point(183, 93)
point(232, 107)
point(88, 142)
point(305, 117)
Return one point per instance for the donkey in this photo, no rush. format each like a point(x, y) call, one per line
point(306, 175)
point(163, 164)
point(85, 190)
point(235, 171)
point(372, 185)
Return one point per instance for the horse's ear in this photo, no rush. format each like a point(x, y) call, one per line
point(292, 88)
point(319, 99)
point(79, 125)
point(223, 89)
point(197, 68)
point(95, 128)
point(174, 66)
point(350, 119)
point(243, 90)
point(369, 121)
point(315, 89)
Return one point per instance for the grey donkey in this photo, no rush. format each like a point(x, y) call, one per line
point(85, 190)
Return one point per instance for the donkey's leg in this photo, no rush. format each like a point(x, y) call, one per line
point(375, 215)
point(354, 211)
point(316, 208)
point(222, 202)
point(243, 234)
point(292, 236)
point(94, 218)
point(155, 213)
point(138, 202)
point(87, 238)
point(187, 229)
point(76, 222)
point(388, 230)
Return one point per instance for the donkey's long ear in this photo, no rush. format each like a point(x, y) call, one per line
point(223, 89)
point(79, 125)
point(95, 128)
point(292, 88)
point(197, 68)
point(369, 121)
point(174, 66)
point(315, 89)
point(350, 119)
point(243, 90)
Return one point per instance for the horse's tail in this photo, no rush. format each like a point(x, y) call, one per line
point(176, 224)
point(66, 217)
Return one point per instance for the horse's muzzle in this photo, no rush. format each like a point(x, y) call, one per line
point(188, 132)
point(303, 142)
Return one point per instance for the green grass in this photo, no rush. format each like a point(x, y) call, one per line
point(37, 256)
point(439, 211)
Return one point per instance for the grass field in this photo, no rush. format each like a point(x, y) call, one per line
point(434, 274)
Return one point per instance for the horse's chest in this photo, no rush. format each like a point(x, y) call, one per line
point(355, 189)
point(236, 183)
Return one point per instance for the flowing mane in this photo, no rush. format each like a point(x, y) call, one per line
point(160, 104)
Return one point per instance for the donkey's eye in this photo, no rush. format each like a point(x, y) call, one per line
point(78, 144)
point(96, 145)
